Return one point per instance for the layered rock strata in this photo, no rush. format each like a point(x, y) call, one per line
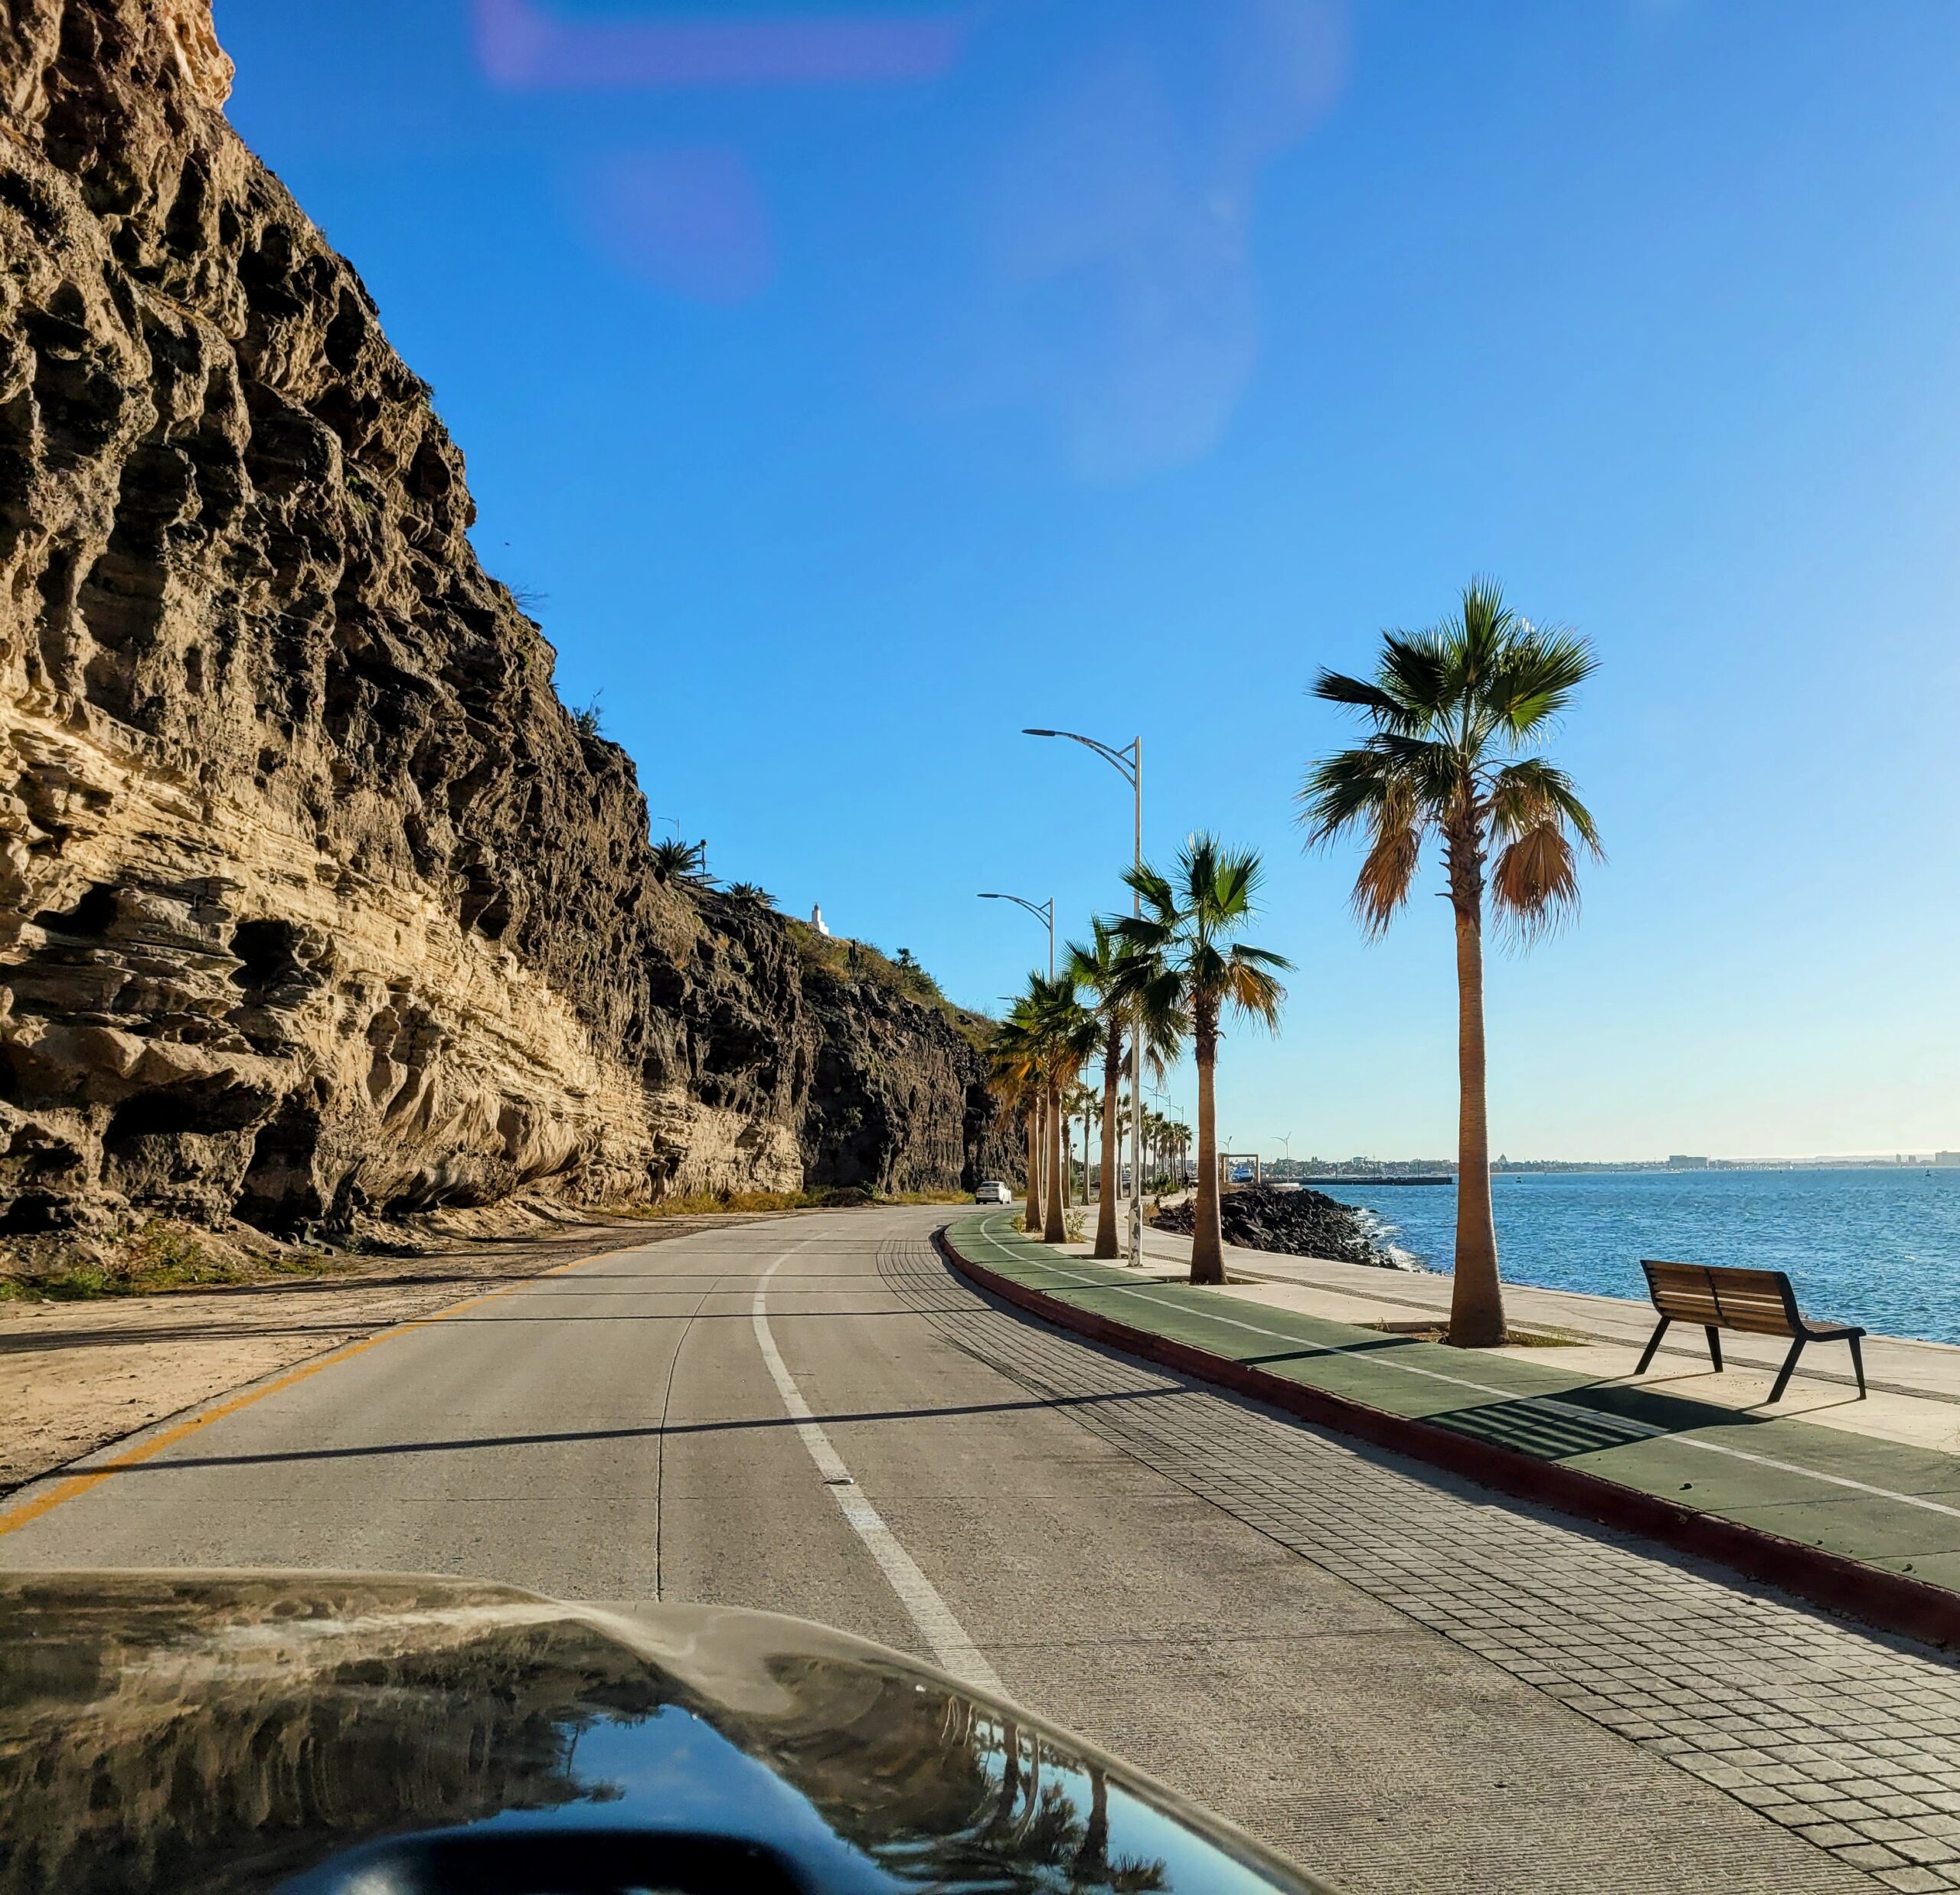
point(313, 896)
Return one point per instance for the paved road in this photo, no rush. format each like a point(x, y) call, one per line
point(1382, 1672)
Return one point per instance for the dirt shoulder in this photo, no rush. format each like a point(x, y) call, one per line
point(76, 1376)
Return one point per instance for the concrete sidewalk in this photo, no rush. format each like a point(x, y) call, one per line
point(1874, 1483)
point(1915, 1387)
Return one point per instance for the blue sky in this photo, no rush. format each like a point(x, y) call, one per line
point(852, 388)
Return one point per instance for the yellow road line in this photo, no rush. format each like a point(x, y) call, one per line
point(13, 1519)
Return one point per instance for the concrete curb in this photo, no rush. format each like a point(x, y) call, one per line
point(1890, 1601)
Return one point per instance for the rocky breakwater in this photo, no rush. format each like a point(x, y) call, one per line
point(1298, 1223)
point(313, 897)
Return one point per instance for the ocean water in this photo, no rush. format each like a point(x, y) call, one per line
point(1877, 1247)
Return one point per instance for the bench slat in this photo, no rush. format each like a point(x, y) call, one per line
point(1757, 1302)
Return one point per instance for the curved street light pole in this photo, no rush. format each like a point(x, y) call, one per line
point(1041, 911)
point(1128, 762)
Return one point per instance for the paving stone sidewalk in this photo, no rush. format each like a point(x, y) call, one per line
point(1886, 1503)
point(1847, 1738)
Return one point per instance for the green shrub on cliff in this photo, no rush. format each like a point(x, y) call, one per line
point(849, 960)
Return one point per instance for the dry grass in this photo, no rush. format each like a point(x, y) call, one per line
point(161, 1254)
point(157, 1254)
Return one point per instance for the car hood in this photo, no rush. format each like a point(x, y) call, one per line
point(230, 1732)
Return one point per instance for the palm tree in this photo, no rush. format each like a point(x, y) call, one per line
point(1188, 961)
point(1080, 1103)
point(1015, 1077)
point(1065, 1033)
point(1115, 980)
point(684, 863)
point(1160, 1150)
point(1452, 708)
point(1096, 966)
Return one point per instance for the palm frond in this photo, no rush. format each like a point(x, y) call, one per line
point(1152, 890)
point(1477, 633)
point(1251, 992)
point(1415, 673)
point(1342, 791)
point(1534, 882)
point(1535, 674)
point(1431, 773)
point(1336, 688)
point(1388, 870)
point(1531, 790)
point(1260, 957)
point(1234, 888)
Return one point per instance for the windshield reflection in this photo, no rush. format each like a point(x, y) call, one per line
point(225, 1734)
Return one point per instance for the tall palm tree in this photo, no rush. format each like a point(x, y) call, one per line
point(1080, 1103)
point(1065, 1034)
point(1017, 1077)
point(1453, 709)
point(1115, 982)
point(1184, 938)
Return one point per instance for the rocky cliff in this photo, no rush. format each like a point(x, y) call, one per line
point(313, 896)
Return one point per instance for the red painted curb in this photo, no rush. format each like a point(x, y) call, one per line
point(1892, 1602)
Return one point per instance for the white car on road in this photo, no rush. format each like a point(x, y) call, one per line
point(993, 1192)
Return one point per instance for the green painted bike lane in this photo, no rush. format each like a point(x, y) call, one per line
point(1881, 1504)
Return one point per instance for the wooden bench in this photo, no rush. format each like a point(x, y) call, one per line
point(1757, 1303)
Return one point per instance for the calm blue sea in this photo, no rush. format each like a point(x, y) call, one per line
point(1878, 1248)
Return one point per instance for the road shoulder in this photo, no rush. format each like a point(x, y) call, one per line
point(76, 1377)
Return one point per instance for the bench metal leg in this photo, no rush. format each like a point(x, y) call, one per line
point(1714, 1347)
point(1653, 1343)
point(1858, 1363)
point(1783, 1373)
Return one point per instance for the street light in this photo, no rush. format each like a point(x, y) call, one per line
point(1128, 762)
point(1042, 911)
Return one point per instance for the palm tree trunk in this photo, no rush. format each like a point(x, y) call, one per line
point(1068, 1159)
point(1031, 1218)
point(1476, 1301)
point(1105, 1202)
point(1056, 1230)
point(1207, 1242)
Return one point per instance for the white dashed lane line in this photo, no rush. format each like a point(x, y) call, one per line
point(944, 1635)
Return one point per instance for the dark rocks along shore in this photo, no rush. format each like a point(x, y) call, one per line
point(1297, 1223)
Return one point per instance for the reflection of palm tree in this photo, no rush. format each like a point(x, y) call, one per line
point(241, 1762)
point(1091, 1859)
point(1051, 1833)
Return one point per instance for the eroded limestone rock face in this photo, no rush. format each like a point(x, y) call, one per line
point(313, 896)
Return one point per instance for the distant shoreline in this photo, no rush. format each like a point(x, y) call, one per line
point(1322, 1181)
point(1441, 1177)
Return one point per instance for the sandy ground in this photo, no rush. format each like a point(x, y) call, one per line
point(74, 1375)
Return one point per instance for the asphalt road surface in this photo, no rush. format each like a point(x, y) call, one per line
point(1399, 1681)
